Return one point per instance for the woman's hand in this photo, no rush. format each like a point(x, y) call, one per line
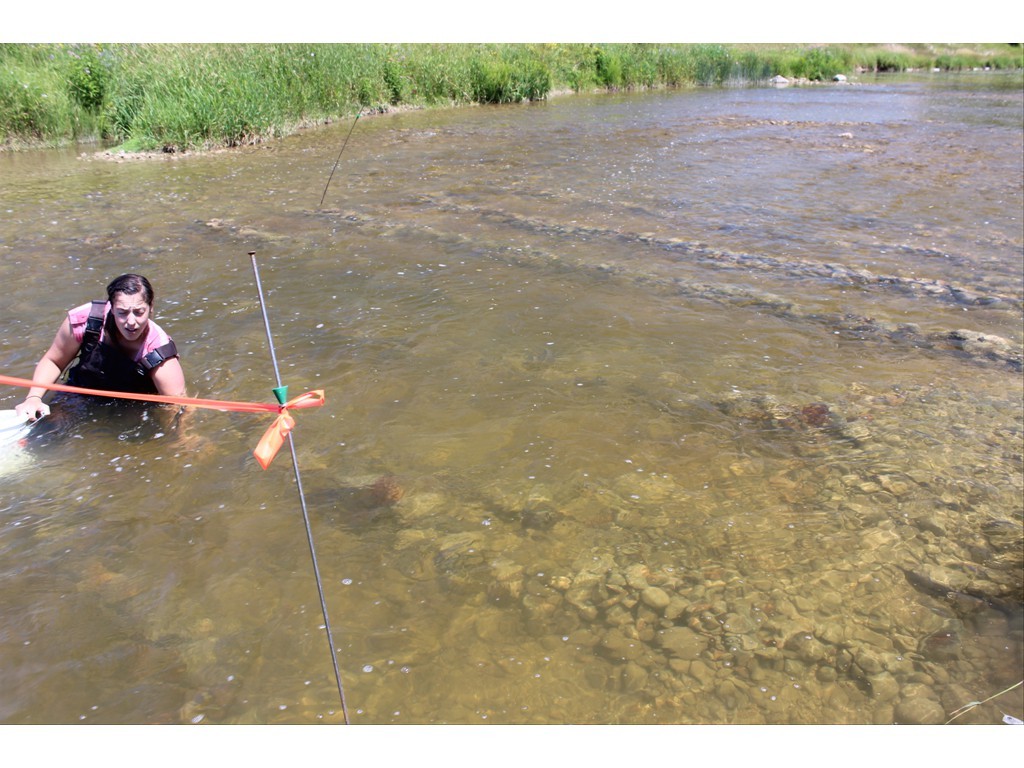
point(60, 354)
point(32, 408)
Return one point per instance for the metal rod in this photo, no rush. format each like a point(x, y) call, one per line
point(302, 502)
point(345, 144)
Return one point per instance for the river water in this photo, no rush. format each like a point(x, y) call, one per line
point(671, 407)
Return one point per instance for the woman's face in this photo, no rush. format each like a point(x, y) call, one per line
point(131, 314)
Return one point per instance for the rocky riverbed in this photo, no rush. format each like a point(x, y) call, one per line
point(885, 595)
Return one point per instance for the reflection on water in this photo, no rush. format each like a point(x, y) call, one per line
point(663, 408)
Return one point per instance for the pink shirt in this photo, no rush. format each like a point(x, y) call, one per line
point(155, 335)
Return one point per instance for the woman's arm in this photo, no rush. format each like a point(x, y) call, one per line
point(49, 368)
point(169, 378)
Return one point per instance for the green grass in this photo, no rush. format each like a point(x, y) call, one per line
point(195, 96)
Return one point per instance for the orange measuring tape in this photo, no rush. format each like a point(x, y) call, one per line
point(268, 445)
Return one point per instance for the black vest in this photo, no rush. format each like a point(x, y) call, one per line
point(104, 366)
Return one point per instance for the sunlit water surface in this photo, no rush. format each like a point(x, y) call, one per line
point(676, 407)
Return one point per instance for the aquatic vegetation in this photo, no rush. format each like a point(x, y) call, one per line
point(34, 105)
point(188, 96)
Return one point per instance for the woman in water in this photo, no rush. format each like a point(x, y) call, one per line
point(119, 348)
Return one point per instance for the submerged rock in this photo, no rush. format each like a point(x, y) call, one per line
point(682, 643)
point(656, 598)
point(986, 346)
point(358, 495)
point(508, 578)
point(771, 411)
point(916, 707)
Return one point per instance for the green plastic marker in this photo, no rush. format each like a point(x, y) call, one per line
point(281, 393)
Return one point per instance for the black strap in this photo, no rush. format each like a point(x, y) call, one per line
point(158, 355)
point(93, 326)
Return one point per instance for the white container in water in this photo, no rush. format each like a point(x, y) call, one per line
point(13, 431)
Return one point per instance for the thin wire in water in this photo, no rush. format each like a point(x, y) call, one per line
point(344, 144)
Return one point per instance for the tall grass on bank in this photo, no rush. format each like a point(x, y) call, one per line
point(189, 96)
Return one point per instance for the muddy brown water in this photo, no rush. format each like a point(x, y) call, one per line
point(693, 407)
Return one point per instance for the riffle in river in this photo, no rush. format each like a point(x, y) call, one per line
point(692, 407)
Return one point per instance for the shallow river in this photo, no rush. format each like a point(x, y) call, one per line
point(675, 407)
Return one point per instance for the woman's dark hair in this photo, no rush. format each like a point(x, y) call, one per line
point(131, 284)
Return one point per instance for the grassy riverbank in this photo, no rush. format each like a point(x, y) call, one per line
point(192, 96)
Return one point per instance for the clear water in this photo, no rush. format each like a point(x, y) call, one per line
point(666, 383)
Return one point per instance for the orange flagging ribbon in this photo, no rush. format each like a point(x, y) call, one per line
point(268, 445)
point(276, 433)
